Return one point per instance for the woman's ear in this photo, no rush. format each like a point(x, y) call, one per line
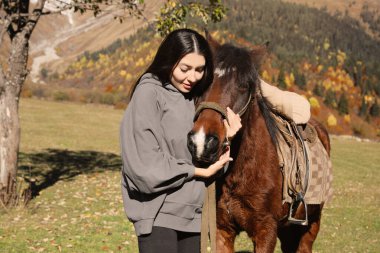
point(258, 54)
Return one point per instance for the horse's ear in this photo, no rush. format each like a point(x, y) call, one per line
point(214, 45)
point(258, 54)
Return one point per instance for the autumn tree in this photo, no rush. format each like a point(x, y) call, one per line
point(343, 104)
point(18, 18)
point(281, 79)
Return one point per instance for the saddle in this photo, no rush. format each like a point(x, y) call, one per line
point(305, 166)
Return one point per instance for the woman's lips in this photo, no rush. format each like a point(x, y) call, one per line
point(187, 86)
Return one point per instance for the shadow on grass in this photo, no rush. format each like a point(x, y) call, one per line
point(52, 165)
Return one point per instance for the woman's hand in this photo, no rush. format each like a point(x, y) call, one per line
point(233, 124)
point(215, 167)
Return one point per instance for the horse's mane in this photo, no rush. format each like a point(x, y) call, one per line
point(267, 113)
point(232, 58)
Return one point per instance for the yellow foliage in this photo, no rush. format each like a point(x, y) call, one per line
point(90, 64)
point(319, 68)
point(306, 66)
point(148, 58)
point(123, 73)
point(326, 44)
point(289, 80)
point(314, 102)
point(265, 76)
point(368, 99)
point(347, 118)
point(83, 60)
point(78, 75)
point(327, 84)
point(341, 57)
point(128, 77)
point(331, 120)
point(337, 79)
point(140, 62)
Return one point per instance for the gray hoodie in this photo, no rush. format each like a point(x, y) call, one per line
point(158, 187)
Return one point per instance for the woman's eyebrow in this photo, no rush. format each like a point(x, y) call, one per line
point(190, 66)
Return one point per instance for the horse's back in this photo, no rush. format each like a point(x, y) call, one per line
point(323, 135)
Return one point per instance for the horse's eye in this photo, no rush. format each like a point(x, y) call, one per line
point(243, 85)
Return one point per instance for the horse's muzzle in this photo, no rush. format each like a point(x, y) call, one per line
point(203, 149)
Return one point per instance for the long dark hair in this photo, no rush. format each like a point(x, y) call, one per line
point(173, 48)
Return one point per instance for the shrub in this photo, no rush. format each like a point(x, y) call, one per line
point(281, 79)
point(330, 99)
point(44, 73)
point(92, 97)
point(61, 96)
point(363, 108)
point(300, 80)
point(107, 98)
point(374, 111)
point(318, 90)
point(38, 92)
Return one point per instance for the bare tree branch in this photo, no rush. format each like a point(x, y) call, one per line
point(33, 19)
point(6, 23)
point(2, 79)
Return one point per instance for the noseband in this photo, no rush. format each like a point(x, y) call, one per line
point(220, 109)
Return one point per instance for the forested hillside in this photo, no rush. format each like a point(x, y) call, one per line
point(329, 59)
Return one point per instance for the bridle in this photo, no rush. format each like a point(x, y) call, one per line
point(223, 111)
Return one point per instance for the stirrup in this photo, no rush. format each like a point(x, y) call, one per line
point(295, 204)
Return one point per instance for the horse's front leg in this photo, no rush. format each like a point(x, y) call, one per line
point(225, 232)
point(225, 241)
point(265, 235)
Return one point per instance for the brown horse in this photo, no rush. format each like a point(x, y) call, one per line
point(249, 194)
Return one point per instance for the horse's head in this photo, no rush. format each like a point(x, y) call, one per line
point(234, 86)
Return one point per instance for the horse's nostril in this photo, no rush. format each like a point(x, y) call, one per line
point(190, 142)
point(212, 142)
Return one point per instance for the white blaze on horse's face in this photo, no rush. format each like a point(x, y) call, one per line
point(199, 139)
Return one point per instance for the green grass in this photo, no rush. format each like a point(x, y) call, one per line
point(72, 151)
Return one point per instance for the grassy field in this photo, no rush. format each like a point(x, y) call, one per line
point(72, 151)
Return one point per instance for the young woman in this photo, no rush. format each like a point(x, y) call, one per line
point(162, 190)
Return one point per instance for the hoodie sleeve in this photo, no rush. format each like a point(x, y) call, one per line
point(292, 105)
point(148, 168)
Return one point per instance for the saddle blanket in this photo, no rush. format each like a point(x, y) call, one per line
point(291, 155)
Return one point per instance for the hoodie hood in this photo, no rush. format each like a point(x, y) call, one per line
point(151, 78)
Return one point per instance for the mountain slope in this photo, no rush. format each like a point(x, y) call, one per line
point(329, 59)
point(59, 39)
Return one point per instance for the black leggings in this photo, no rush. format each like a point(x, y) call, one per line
point(169, 241)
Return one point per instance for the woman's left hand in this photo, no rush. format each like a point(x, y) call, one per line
point(233, 124)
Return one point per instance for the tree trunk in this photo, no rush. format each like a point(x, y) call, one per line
point(10, 87)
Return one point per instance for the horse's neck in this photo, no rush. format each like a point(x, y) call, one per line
point(255, 142)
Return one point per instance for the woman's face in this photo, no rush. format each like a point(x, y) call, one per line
point(188, 72)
